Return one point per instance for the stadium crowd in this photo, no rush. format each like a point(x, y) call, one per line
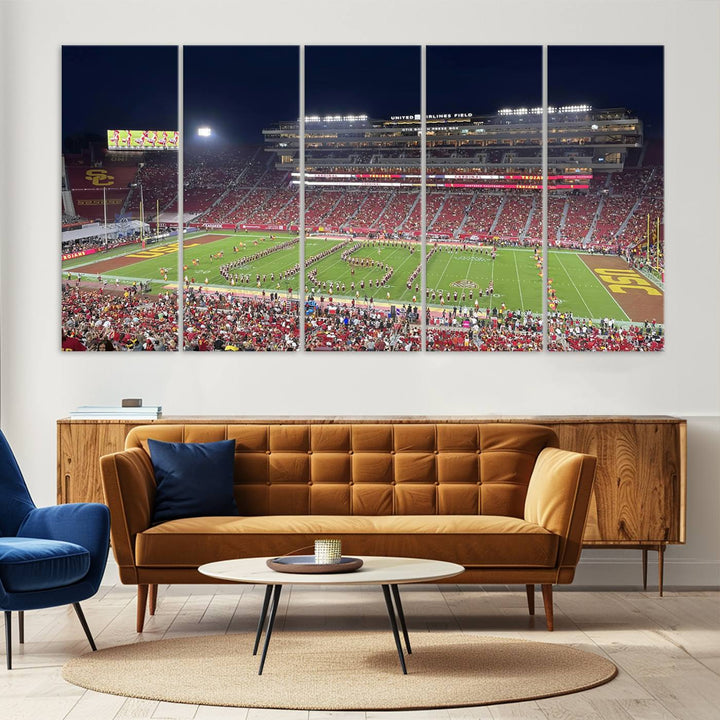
point(568, 333)
point(126, 320)
point(471, 330)
point(226, 321)
point(363, 328)
point(133, 321)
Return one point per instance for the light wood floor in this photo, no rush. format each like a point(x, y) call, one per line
point(667, 649)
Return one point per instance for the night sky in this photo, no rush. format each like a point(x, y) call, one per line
point(239, 90)
point(610, 76)
point(483, 79)
point(378, 81)
point(118, 87)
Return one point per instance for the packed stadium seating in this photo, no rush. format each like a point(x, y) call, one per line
point(371, 208)
point(576, 334)
point(344, 211)
point(514, 216)
point(360, 328)
point(614, 210)
point(452, 214)
point(412, 223)
point(319, 204)
point(397, 210)
point(483, 213)
point(246, 211)
point(556, 208)
point(243, 187)
point(131, 320)
point(579, 218)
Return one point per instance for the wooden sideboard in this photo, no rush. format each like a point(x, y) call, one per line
point(640, 486)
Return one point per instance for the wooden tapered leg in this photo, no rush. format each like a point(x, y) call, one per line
point(661, 567)
point(644, 566)
point(547, 594)
point(21, 626)
point(152, 598)
point(530, 590)
point(142, 596)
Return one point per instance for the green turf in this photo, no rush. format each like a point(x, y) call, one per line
point(516, 277)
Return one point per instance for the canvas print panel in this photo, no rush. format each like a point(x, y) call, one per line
point(241, 252)
point(119, 246)
point(606, 276)
point(362, 199)
point(484, 198)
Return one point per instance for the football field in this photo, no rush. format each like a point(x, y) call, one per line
point(588, 286)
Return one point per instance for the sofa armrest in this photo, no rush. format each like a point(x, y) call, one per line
point(558, 499)
point(129, 486)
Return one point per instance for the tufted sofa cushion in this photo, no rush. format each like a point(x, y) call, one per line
point(373, 469)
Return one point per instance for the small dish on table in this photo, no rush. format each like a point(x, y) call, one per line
point(307, 564)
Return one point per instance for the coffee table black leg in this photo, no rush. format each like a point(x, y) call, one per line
point(271, 622)
point(393, 624)
point(401, 616)
point(263, 615)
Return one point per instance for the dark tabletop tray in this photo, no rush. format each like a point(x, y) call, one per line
point(307, 564)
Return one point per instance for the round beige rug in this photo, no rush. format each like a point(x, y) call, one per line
point(336, 671)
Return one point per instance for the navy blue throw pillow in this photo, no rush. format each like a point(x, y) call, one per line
point(193, 479)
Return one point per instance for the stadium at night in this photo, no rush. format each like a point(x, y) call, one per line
point(367, 285)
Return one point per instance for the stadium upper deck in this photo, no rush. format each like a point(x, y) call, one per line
point(580, 138)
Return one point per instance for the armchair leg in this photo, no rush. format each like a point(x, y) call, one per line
point(8, 638)
point(141, 605)
point(530, 590)
point(152, 598)
point(21, 626)
point(547, 593)
point(83, 622)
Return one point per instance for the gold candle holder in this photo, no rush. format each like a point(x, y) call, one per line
point(328, 552)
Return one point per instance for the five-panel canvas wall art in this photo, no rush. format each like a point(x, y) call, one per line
point(363, 198)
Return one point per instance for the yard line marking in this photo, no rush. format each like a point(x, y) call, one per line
point(439, 280)
point(517, 274)
point(577, 289)
point(492, 282)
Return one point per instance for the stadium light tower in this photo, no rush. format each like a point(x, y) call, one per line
point(138, 184)
point(204, 131)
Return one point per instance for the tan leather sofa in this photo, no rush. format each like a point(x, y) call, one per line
point(500, 499)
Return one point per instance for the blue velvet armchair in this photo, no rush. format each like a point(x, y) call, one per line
point(48, 556)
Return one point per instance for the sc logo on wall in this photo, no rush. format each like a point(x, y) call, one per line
point(99, 177)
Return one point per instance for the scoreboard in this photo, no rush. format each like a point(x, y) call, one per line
point(143, 139)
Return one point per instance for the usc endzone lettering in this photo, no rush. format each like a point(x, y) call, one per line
point(620, 281)
point(159, 251)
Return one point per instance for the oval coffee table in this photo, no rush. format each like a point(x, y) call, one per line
point(388, 572)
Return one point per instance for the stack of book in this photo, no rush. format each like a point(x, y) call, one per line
point(116, 412)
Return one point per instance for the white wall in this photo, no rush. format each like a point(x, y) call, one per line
point(41, 384)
